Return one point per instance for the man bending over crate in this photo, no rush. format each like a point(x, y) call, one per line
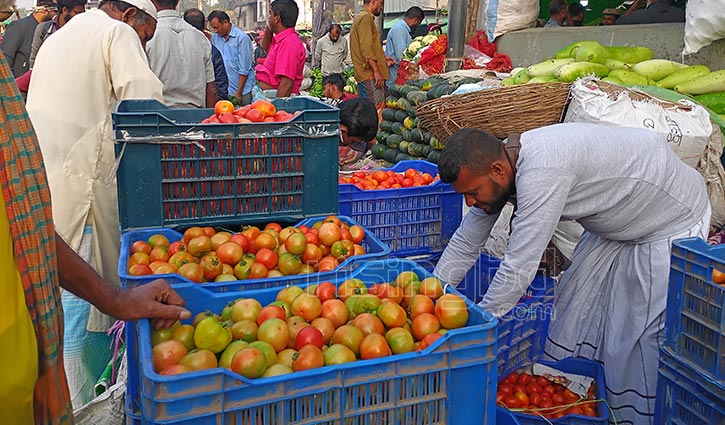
point(633, 197)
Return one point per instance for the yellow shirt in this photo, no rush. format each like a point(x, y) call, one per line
point(19, 353)
point(365, 44)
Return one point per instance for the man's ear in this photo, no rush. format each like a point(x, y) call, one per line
point(497, 170)
point(128, 14)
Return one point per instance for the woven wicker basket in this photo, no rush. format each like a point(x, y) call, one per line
point(501, 111)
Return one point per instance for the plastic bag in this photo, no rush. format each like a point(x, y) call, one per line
point(406, 71)
point(704, 23)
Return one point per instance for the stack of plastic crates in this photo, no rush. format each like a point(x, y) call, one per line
point(691, 385)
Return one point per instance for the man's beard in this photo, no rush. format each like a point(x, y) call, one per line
point(502, 197)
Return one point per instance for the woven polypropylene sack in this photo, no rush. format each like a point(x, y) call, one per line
point(712, 171)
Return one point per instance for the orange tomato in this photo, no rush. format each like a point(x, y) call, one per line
point(265, 107)
point(223, 106)
point(718, 277)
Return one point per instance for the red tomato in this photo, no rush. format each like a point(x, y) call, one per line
point(326, 327)
point(535, 399)
point(420, 304)
point(309, 335)
point(327, 263)
point(570, 396)
point(176, 247)
point(167, 353)
point(258, 270)
point(451, 311)
point(336, 311)
point(329, 233)
point(524, 379)
point(380, 176)
point(271, 312)
point(141, 246)
point(212, 266)
point(512, 402)
point(309, 357)
point(424, 324)
point(267, 257)
point(140, 270)
point(192, 271)
point(519, 388)
point(533, 387)
point(374, 346)
point(506, 388)
point(558, 399)
point(411, 173)
point(326, 291)
point(549, 389)
point(512, 378)
point(274, 226)
point(428, 340)
point(542, 381)
point(230, 253)
point(249, 362)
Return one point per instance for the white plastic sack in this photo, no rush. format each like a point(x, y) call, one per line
point(686, 126)
point(498, 17)
point(704, 23)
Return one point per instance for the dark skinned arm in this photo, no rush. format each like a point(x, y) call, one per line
point(155, 300)
point(379, 81)
point(285, 87)
point(267, 39)
point(211, 97)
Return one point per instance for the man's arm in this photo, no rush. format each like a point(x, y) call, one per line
point(285, 86)
point(379, 80)
point(211, 96)
point(465, 245)
point(153, 300)
point(267, 39)
point(246, 64)
point(130, 72)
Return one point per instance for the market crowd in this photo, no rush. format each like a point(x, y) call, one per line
point(64, 69)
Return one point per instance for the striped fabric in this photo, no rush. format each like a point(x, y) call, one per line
point(26, 194)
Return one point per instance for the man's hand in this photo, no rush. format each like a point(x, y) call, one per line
point(156, 301)
point(379, 80)
point(389, 61)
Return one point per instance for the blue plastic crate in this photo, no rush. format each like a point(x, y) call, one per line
point(374, 248)
point(580, 367)
point(504, 417)
point(685, 396)
point(176, 171)
point(411, 220)
point(522, 332)
point(695, 323)
point(452, 381)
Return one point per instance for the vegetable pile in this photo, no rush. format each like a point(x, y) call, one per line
point(205, 255)
point(259, 111)
point(626, 66)
point(401, 137)
point(378, 180)
point(309, 328)
point(541, 396)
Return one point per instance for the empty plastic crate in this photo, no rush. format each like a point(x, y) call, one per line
point(685, 396)
point(580, 367)
point(695, 326)
point(522, 332)
point(375, 249)
point(411, 220)
point(175, 171)
point(453, 381)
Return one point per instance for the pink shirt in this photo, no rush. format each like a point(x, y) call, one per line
point(286, 57)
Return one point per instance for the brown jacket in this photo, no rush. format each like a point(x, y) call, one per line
point(365, 44)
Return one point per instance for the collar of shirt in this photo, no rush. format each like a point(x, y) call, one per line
point(284, 34)
point(168, 14)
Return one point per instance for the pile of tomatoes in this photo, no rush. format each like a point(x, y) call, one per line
point(258, 111)
point(539, 396)
point(205, 255)
point(304, 329)
point(388, 179)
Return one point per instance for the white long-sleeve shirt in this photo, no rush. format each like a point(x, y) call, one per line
point(622, 184)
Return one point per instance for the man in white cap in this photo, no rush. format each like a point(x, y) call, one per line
point(78, 76)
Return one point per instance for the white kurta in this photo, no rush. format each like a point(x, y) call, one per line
point(632, 195)
point(80, 73)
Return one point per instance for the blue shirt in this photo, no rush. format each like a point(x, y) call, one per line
point(398, 40)
point(238, 58)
